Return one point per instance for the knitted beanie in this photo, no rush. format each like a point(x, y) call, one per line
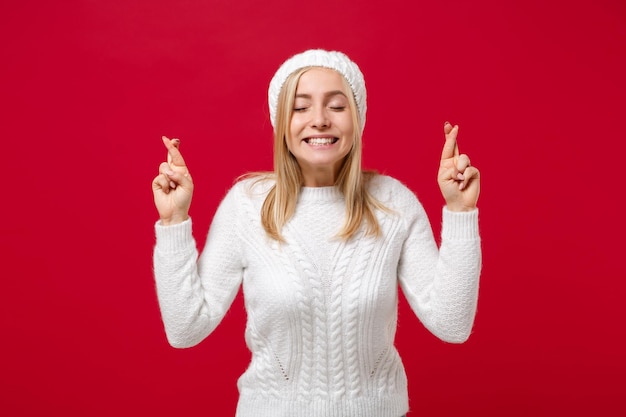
point(320, 58)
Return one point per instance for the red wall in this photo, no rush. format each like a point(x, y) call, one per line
point(88, 87)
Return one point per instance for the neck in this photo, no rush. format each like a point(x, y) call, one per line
point(319, 176)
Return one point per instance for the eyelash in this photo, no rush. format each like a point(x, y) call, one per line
point(335, 108)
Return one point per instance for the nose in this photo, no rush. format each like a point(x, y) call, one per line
point(320, 118)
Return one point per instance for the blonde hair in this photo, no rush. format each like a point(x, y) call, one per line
point(280, 203)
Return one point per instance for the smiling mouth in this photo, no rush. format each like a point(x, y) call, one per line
point(321, 141)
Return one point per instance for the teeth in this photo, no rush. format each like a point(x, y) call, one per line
point(320, 141)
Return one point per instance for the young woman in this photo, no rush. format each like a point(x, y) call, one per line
point(320, 248)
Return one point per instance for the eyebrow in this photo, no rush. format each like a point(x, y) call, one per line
point(327, 94)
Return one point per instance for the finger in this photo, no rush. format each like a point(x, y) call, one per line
point(161, 182)
point(470, 174)
point(451, 174)
point(174, 157)
point(164, 166)
point(176, 178)
point(462, 162)
point(169, 174)
point(450, 147)
point(165, 174)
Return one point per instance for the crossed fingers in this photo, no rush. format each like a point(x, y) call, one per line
point(174, 170)
point(460, 168)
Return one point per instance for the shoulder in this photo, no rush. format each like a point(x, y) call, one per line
point(401, 201)
point(252, 187)
point(242, 202)
point(391, 191)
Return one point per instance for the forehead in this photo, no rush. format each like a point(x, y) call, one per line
point(320, 79)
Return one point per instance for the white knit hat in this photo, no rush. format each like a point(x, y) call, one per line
point(320, 58)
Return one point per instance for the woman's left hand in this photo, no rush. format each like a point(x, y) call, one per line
point(458, 180)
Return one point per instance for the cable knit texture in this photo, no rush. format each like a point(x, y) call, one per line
point(322, 312)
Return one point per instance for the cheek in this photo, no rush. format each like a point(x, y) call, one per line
point(295, 126)
point(348, 133)
point(292, 139)
point(349, 144)
point(348, 130)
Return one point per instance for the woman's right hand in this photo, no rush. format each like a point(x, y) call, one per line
point(173, 187)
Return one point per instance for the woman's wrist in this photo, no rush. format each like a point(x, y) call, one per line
point(459, 208)
point(176, 219)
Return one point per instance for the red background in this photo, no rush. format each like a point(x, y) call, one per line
point(88, 87)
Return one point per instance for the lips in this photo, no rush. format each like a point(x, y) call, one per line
point(321, 141)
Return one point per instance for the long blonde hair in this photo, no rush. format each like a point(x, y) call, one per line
point(280, 203)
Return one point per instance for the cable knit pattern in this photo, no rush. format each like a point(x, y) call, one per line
point(322, 312)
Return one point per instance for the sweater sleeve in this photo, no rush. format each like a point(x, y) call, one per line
point(195, 292)
point(441, 284)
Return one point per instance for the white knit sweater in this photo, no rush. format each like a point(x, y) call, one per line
point(321, 312)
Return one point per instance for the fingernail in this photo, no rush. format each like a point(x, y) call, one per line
point(460, 176)
point(172, 184)
point(446, 123)
point(169, 173)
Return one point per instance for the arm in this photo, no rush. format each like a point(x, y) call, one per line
point(194, 293)
point(442, 284)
